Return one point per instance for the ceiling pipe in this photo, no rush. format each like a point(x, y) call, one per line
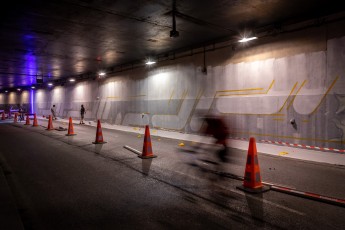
point(174, 33)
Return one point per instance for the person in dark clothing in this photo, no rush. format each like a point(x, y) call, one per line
point(82, 113)
point(21, 112)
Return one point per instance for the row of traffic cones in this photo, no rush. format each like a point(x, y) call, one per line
point(27, 121)
point(70, 131)
point(252, 177)
point(147, 146)
point(50, 123)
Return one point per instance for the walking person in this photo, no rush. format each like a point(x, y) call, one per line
point(82, 113)
point(21, 112)
point(53, 110)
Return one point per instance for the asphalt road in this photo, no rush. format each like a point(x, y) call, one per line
point(64, 182)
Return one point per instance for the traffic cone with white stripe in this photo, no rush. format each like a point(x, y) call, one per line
point(99, 134)
point(252, 178)
point(35, 121)
point(27, 120)
point(50, 123)
point(70, 128)
point(147, 147)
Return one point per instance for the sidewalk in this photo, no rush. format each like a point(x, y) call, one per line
point(329, 157)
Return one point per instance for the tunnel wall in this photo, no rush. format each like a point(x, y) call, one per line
point(259, 89)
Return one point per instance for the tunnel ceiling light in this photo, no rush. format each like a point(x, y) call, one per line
point(72, 80)
point(150, 62)
point(101, 73)
point(18, 89)
point(50, 84)
point(6, 91)
point(247, 39)
point(33, 87)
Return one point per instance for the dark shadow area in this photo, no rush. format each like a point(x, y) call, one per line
point(255, 205)
point(146, 165)
point(98, 148)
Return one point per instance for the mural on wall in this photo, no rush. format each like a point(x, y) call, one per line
point(296, 99)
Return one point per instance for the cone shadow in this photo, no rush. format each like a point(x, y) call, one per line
point(98, 149)
point(70, 139)
point(255, 205)
point(146, 165)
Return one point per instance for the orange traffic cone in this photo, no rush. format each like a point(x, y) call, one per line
point(147, 147)
point(50, 123)
point(3, 116)
point(15, 118)
point(252, 178)
point(35, 121)
point(70, 131)
point(27, 120)
point(99, 135)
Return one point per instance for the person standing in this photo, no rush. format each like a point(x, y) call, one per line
point(21, 112)
point(10, 112)
point(53, 110)
point(82, 113)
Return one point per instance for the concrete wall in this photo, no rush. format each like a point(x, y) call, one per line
point(258, 88)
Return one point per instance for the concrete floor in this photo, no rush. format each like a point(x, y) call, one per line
point(60, 182)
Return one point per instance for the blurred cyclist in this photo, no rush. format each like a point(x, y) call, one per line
point(217, 128)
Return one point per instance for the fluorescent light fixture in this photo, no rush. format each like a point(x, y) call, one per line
point(50, 84)
point(101, 73)
point(72, 80)
point(6, 91)
point(150, 62)
point(18, 89)
point(33, 87)
point(247, 39)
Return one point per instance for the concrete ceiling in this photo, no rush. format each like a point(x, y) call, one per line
point(63, 38)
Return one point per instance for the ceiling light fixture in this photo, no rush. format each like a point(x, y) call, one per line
point(50, 84)
point(247, 39)
point(33, 87)
point(150, 62)
point(6, 91)
point(18, 89)
point(101, 74)
point(72, 80)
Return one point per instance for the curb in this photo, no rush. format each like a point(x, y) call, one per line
point(291, 191)
point(304, 146)
point(309, 195)
point(294, 145)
